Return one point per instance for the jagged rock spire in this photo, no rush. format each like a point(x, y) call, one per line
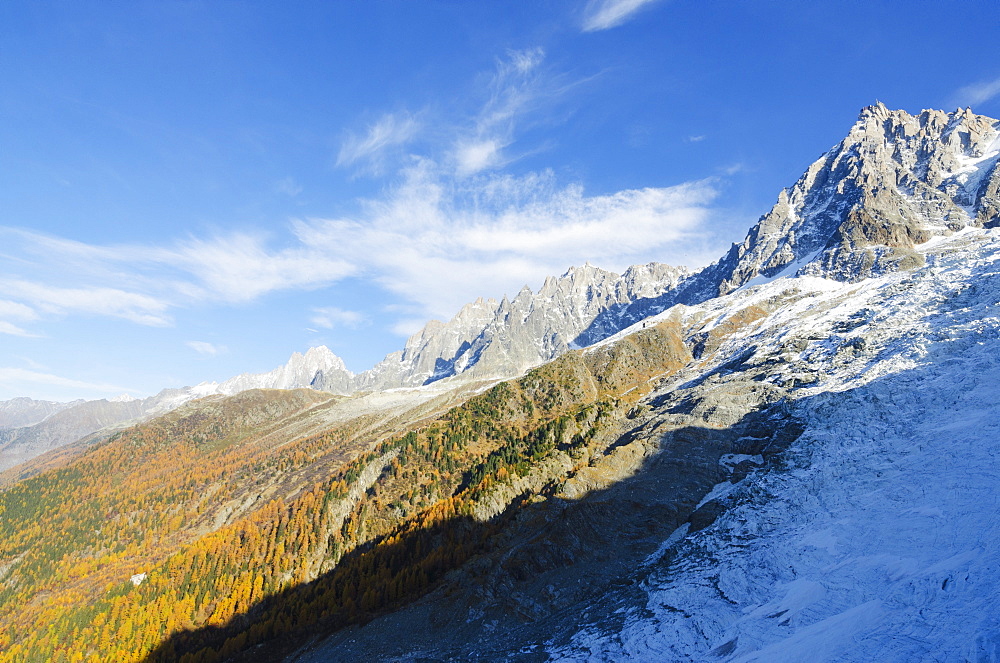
point(895, 181)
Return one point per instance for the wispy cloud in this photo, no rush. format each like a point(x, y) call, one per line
point(11, 329)
point(331, 316)
point(515, 87)
point(143, 284)
point(206, 349)
point(23, 376)
point(439, 244)
point(137, 307)
point(241, 267)
point(389, 132)
point(978, 93)
point(16, 311)
point(474, 156)
point(288, 186)
point(605, 14)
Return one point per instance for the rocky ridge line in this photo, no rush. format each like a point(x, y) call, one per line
point(897, 180)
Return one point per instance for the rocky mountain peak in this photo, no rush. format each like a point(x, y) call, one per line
point(490, 339)
point(300, 371)
point(524, 294)
point(876, 110)
point(895, 181)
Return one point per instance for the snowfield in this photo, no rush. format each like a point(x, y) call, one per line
point(879, 539)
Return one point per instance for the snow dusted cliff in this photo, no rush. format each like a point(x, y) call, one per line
point(895, 181)
point(874, 538)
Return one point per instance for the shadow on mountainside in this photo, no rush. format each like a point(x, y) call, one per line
point(563, 564)
point(615, 318)
point(370, 580)
point(523, 565)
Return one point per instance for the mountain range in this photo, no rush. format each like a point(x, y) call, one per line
point(783, 456)
point(895, 181)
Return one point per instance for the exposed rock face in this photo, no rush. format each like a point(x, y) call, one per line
point(895, 181)
point(490, 339)
point(438, 350)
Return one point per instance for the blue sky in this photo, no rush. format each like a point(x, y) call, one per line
point(190, 190)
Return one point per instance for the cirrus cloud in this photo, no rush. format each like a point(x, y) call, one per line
point(206, 349)
point(11, 329)
point(605, 14)
point(114, 302)
point(515, 88)
point(240, 267)
point(16, 311)
point(390, 132)
point(23, 381)
point(978, 93)
point(438, 244)
point(450, 226)
point(330, 316)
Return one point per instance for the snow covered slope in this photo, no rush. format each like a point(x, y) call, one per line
point(876, 538)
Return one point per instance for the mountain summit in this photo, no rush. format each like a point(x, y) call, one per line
point(300, 371)
point(896, 180)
